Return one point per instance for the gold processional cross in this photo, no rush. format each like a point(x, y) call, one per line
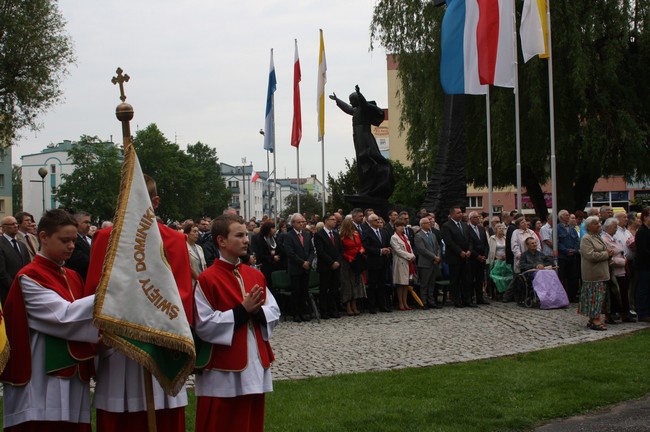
point(120, 79)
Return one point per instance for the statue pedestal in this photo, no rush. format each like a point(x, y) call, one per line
point(379, 205)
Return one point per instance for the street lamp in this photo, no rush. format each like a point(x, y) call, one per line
point(42, 171)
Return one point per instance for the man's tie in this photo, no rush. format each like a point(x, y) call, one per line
point(476, 231)
point(332, 237)
point(378, 235)
point(302, 242)
point(17, 249)
point(429, 237)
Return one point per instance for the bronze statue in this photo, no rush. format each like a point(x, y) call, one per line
point(375, 172)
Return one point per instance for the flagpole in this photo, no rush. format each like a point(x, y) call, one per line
point(489, 151)
point(275, 190)
point(298, 176)
point(551, 104)
point(322, 148)
point(517, 131)
point(124, 113)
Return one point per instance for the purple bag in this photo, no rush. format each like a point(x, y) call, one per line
point(549, 289)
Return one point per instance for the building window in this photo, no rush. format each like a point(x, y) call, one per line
point(233, 183)
point(2, 206)
point(2, 180)
point(474, 202)
point(52, 169)
point(2, 155)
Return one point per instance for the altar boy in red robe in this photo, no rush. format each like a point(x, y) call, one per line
point(234, 316)
point(49, 326)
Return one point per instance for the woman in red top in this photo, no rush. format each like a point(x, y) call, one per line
point(352, 287)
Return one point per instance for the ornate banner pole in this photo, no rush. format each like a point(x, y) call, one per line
point(124, 113)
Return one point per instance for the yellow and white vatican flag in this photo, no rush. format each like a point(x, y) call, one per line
point(137, 303)
point(4, 343)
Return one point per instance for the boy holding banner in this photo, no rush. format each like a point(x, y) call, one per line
point(234, 316)
point(49, 325)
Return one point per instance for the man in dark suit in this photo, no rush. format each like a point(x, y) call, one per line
point(408, 231)
point(428, 260)
point(80, 258)
point(13, 255)
point(300, 253)
point(357, 220)
point(479, 248)
point(456, 236)
point(512, 227)
point(377, 245)
point(329, 251)
point(390, 226)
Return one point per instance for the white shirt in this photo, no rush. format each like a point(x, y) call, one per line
point(546, 233)
point(218, 327)
point(44, 397)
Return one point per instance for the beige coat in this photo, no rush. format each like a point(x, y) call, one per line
point(401, 259)
point(594, 259)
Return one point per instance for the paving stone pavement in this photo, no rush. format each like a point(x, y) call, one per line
point(417, 338)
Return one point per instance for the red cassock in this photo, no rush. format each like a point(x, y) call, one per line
point(240, 356)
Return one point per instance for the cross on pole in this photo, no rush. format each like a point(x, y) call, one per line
point(120, 79)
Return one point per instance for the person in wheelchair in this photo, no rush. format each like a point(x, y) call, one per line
point(533, 259)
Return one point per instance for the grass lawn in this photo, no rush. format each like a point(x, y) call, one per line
point(504, 394)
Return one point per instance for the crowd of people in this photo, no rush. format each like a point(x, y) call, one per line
point(364, 263)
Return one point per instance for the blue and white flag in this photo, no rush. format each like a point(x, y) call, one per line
point(269, 121)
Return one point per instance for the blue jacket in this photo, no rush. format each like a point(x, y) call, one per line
point(567, 238)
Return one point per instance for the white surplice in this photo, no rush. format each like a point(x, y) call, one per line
point(217, 327)
point(44, 397)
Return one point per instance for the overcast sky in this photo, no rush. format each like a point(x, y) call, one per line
point(199, 70)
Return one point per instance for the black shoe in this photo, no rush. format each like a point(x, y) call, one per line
point(324, 316)
point(459, 305)
point(335, 315)
point(305, 318)
point(433, 306)
point(372, 311)
point(385, 309)
point(470, 305)
point(297, 318)
point(483, 302)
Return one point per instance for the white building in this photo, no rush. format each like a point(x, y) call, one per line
point(39, 193)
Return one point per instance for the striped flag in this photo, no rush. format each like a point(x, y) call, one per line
point(534, 29)
point(269, 119)
point(459, 57)
point(296, 129)
point(254, 176)
point(495, 37)
point(322, 79)
point(138, 306)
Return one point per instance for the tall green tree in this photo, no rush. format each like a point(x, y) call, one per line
point(308, 204)
point(214, 194)
point(178, 179)
point(601, 97)
point(17, 188)
point(94, 184)
point(35, 52)
point(408, 192)
point(345, 183)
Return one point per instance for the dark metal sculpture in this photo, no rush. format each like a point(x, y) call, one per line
point(376, 182)
point(448, 184)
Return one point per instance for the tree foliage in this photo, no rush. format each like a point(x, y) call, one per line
point(408, 192)
point(602, 125)
point(17, 188)
point(214, 194)
point(94, 184)
point(189, 183)
point(35, 52)
point(308, 204)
